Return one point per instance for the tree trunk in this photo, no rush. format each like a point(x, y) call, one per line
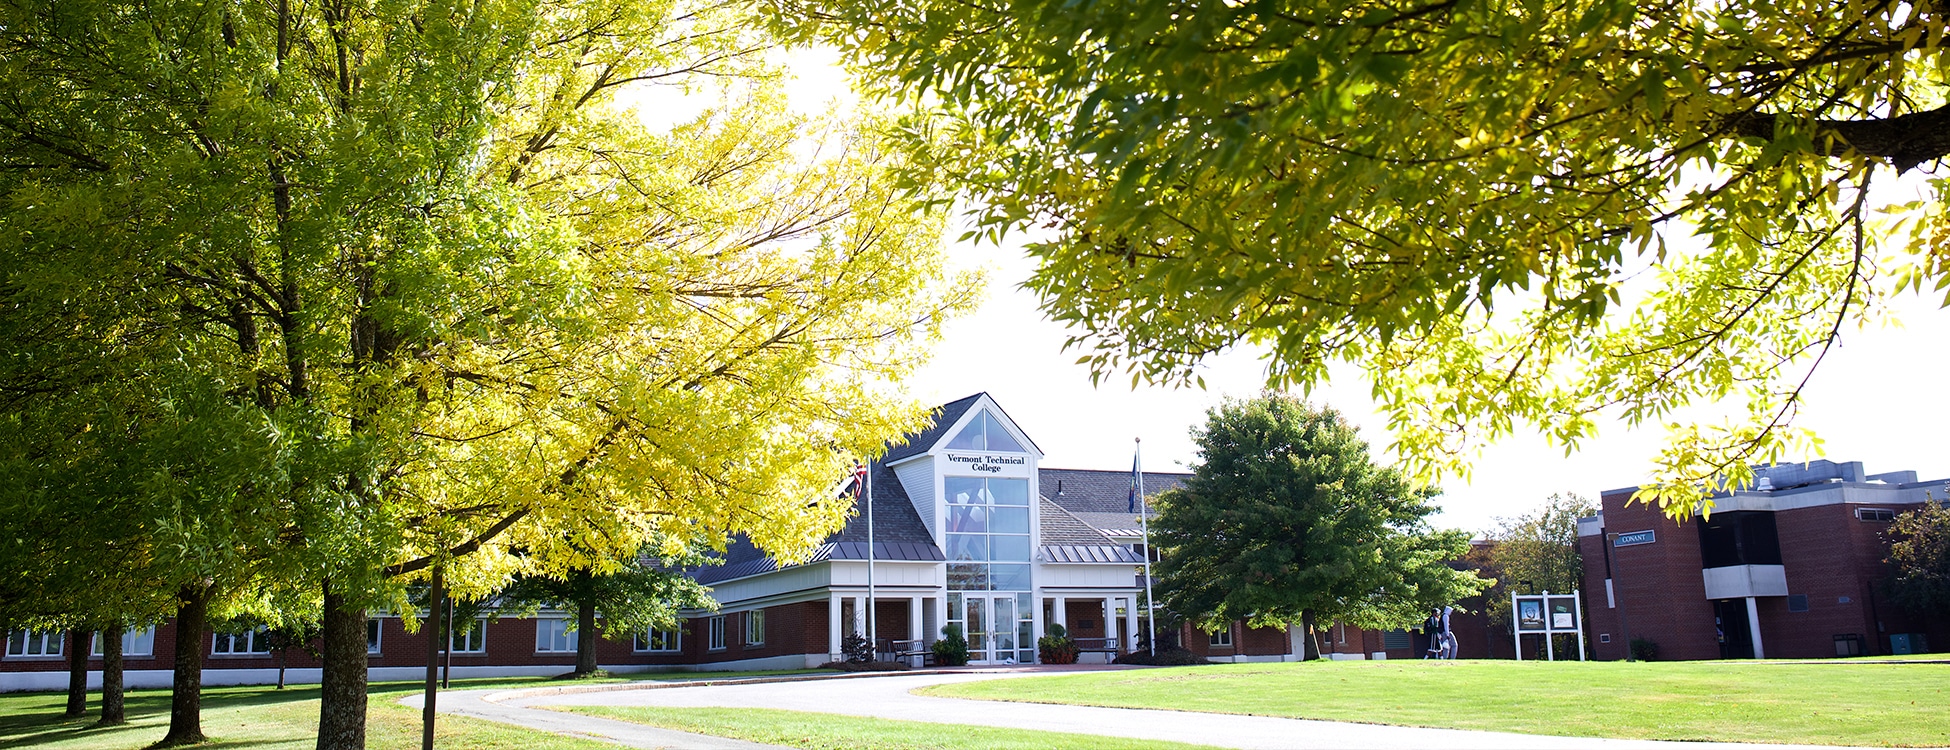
point(1311, 647)
point(78, 672)
point(281, 653)
point(342, 694)
point(186, 690)
point(586, 637)
point(113, 712)
point(436, 609)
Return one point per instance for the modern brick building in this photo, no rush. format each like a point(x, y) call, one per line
point(1790, 569)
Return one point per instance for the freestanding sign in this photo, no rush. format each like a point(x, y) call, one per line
point(1547, 614)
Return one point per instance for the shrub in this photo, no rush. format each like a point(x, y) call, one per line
point(1169, 657)
point(856, 649)
point(952, 649)
point(1645, 649)
point(1057, 647)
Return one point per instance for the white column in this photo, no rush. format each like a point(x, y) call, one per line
point(833, 627)
point(914, 623)
point(860, 615)
point(1062, 616)
point(940, 618)
point(1110, 622)
point(1753, 626)
point(1131, 624)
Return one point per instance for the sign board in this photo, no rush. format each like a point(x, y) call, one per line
point(1634, 538)
point(1547, 614)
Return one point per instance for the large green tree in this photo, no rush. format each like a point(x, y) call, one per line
point(1288, 519)
point(1536, 552)
point(1513, 215)
point(1921, 556)
point(481, 304)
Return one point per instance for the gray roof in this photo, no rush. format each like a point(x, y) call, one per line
point(898, 534)
point(1068, 539)
point(1093, 495)
point(945, 416)
point(1072, 553)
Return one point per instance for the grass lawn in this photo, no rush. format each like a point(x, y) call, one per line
point(833, 732)
point(1832, 703)
point(264, 717)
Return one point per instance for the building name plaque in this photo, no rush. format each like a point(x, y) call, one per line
point(1635, 537)
point(987, 464)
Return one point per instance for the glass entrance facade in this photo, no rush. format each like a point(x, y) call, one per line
point(988, 551)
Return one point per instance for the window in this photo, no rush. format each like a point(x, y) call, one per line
point(984, 433)
point(35, 643)
point(552, 636)
point(755, 628)
point(1222, 639)
point(474, 641)
point(1604, 638)
point(249, 642)
point(660, 641)
point(1880, 515)
point(1797, 602)
point(372, 637)
point(1739, 537)
point(134, 642)
point(987, 534)
point(715, 639)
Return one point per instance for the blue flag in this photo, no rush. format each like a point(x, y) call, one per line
point(1135, 480)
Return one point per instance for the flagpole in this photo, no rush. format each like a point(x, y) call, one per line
point(1144, 521)
point(873, 635)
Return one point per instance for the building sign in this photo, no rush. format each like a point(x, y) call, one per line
point(983, 464)
point(1635, 537)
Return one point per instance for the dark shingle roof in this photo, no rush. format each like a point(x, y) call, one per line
point(898, 534)
point(945, 416)
point(1068, 539)
point(1086, 492)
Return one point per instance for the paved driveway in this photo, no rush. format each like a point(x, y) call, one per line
point(888, 697)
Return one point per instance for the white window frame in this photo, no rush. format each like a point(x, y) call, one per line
point(375, 630)
point(552, 636)
point(256, 643)
point(18, 641)
point(1875, 515)
point(647, 641)
point(714, 628)
point(755, 627)
point(1222, 639)
point(475, 642)
point(135, 643)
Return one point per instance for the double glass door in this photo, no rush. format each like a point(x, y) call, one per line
point(999, 626)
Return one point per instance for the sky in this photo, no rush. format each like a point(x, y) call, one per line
point(1880, 398)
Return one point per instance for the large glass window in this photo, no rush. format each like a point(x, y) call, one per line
point(985, 433)
point(134, 642)
point(553, 636)
point(474, 641)
point(253, 641)
point(664, 641)
point(987, 534)
point(35, 643)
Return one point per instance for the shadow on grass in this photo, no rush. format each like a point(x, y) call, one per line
point(35, 719)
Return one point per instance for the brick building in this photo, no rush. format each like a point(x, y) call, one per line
point(1790, 569)
point(969, 530)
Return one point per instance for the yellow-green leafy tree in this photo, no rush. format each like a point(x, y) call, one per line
point(451, 246)
point(1514, 215)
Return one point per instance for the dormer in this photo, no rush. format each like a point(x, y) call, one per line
point(971, 437)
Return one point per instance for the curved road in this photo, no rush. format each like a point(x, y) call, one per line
point(889, 697)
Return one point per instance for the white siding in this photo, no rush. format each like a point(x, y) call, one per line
point(854, 573)
point(1085, 576)
point(774, 583)
point(917, 477)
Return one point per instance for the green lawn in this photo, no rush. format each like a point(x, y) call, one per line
point(263, 717)
point(833, 732)
point(1833, 703)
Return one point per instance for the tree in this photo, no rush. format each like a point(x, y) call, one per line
point(1286, 518)
point(630, 596)
point(1512, 216)
point(1921, 555)
point(1537, 552)
point(436, 255)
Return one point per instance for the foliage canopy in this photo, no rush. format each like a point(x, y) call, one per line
point(1513, 214)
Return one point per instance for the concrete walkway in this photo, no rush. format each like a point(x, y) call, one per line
point(889, 697)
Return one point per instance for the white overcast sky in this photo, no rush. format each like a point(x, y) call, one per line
point(1880, 398)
